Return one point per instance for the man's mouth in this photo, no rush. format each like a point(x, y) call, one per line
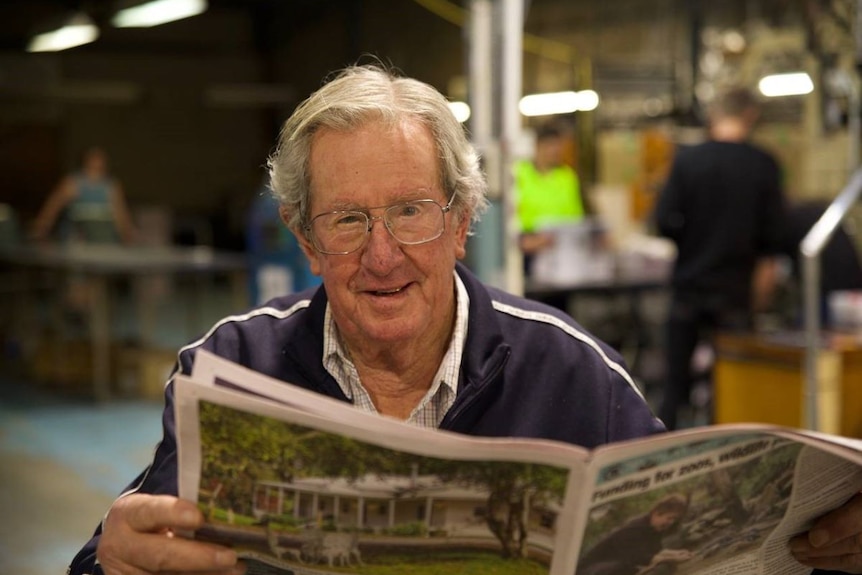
point(388, 292)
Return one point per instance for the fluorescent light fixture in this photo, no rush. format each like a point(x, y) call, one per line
point(792, 84)
point(461, 110)
point(588, 100)
point(78, 30)
point(158, 12)
point(558, 103)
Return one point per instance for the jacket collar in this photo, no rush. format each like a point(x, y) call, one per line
point(485, 349)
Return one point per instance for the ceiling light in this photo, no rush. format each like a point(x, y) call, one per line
point(461, 111)
point(558, 103)
point(588, 100)
point(77, 30)
point(158, 12)
point(792, 84)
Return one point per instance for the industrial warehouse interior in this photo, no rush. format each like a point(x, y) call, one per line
point(188, 111)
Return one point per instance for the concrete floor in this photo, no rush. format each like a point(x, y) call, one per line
point(62, 462)
point(63, 456)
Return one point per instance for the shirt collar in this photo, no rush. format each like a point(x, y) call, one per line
point(440, 397)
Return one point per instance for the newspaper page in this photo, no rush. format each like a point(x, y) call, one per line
point(298, 492)
point(718, 500)
point(747, 488)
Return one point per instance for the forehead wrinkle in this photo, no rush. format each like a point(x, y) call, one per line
point(409, 195)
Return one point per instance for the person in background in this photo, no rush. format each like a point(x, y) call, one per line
point(277, 264)
point(547, 191)
point(642, 538)
point(87, 206)
point(722, 205)
point(376, 178)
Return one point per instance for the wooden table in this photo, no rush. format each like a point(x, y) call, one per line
point(103, 265)
point(760, 377)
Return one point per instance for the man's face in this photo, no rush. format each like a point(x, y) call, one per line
point(385, 292)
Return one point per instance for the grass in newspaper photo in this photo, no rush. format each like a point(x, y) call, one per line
point(304, 500)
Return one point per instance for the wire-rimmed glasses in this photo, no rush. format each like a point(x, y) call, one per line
point(411, 223)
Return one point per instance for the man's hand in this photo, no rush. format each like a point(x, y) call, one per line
point(533, 243)
point(138, 538)
point(834, 541)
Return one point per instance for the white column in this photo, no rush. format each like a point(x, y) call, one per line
point(429, 506)
point(511, 64)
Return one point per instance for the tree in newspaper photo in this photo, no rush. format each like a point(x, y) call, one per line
point(302, 500)
point(685, 510)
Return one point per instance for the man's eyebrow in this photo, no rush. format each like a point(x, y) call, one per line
point(344, 205)
point(407, 195)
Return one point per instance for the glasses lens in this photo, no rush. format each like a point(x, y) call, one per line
point(415, 222)
point(339, 232)
point(410, 223)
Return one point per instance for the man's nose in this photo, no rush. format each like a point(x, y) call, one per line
point(381, 246)
point(373, 219)
point(382, 232)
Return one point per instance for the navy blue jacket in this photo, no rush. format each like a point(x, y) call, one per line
point(528, 370)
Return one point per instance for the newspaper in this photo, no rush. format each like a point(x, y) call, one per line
point(299, 483)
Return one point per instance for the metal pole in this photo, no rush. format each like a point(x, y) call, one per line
point(810, 248)
point(481, 41)
point(811, 310)
point(486, 253)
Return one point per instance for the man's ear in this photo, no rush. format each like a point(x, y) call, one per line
point(461, 232)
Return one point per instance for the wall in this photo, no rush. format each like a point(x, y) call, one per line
point(147, 97)
point(143, 93)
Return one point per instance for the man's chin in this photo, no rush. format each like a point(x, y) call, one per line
point(393, 330)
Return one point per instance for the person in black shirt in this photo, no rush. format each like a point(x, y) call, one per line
point(722, 206)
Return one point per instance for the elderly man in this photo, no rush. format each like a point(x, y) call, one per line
point(380, 185)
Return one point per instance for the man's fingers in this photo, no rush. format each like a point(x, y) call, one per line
point(139, 537)
point(161, 553)
point(834, 541)
point(842, 563)
point(838, 525)
point(801, 547)
point(156, 513)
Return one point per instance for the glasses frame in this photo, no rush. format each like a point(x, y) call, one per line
point(369, 219)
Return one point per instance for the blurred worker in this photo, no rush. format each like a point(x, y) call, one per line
point(277, 263)
point(547, 189)
point(87, 206)
point(722, 206)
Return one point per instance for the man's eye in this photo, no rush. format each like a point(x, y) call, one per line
point(408, 211)
point(347, 220)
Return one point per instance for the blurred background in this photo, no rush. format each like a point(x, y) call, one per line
point(188, 110)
